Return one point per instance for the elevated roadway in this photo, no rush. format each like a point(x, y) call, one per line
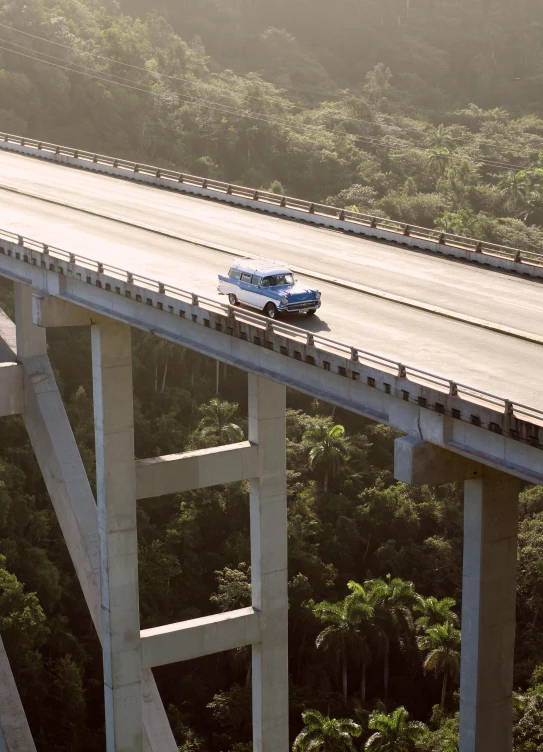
point(485, 359)
point(487, 334)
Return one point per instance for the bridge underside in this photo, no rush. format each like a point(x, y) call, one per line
point(101, 533)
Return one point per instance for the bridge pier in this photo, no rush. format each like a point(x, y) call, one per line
point(268, 507)
point(130, 654)
point(116, 499)
point(488, 587)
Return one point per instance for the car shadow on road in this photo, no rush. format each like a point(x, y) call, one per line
point(308, 323)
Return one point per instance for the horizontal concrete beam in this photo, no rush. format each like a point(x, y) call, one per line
point(51, 312)
point(417, 462)
point(174, 473)
point(11, 389)
point(198, 637)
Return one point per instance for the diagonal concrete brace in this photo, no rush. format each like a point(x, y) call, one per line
point(66, 480)
point(15, 734)
point(13, 724)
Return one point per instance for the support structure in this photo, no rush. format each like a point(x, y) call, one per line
point(69, 489)
point(116, 497)
point(264, 625)
point(488, 588)
point(15, 734)
point(103, 541)
point(268, 500)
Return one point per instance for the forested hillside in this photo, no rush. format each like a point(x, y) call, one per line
point(423, 110)
point(428, 111)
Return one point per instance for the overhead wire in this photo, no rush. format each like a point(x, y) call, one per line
point(298, 88)
point(184, 79)
point(129, 83)
point(191, 81)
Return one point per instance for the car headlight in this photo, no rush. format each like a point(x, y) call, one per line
point(318, 295)
point(284, 301)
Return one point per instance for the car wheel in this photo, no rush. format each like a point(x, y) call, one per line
point(312, 312)
point(232, 299)
point(270, 311)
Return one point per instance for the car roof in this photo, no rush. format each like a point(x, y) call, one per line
point(260, 266)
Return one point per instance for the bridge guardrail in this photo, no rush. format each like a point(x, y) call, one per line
point(399, 229)
point(353, 353)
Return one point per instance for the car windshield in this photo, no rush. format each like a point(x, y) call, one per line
point(278, 280)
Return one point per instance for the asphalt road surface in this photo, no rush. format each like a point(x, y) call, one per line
point(497, 363)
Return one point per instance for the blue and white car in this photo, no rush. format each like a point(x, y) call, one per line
point(268, 287)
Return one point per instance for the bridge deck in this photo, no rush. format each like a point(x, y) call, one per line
point(484, 359)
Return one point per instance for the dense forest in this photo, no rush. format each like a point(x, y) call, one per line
point(423, 110)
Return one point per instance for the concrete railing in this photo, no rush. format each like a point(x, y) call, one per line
point(479, 251)
point(500, 415)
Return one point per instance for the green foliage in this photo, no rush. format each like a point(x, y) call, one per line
point(344, 634)
point(256, 95)
point(441, 644)
point(393, 732)
point(216, 426)
point(326, 734)
point(328, 448)
point(443, 130)
point(234, 588)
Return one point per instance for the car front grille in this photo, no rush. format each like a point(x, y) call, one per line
point(302, 304)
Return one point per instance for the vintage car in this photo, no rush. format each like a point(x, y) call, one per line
point(269, 287)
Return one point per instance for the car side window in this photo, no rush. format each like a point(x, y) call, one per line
point(245, 277)
point(234, 273)
point(255, 280)
point(266, 282)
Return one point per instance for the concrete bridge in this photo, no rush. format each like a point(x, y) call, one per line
point(455, 365)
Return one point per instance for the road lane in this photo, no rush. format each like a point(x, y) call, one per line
point(493, 362)
point(474, 291)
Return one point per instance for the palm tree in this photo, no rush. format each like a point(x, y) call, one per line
point(516, 185)
point(435, 612)
point(438, 160)
point(328, 447)
point(394, 601)
point(342, 635)
point(164, 352)
point(441, 138)
point(368, 628)
point(394, 732)
point(443, 645)
point(326, 734)
point(217, 422)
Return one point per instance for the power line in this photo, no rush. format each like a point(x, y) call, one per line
point(190, 81)
point(371, 140)
point(213, 106)
point(185, 79)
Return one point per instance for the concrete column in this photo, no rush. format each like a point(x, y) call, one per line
point(488, 612)
point(488, 587)
point(116, 497)
point(30, 339)
point(268, 504)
